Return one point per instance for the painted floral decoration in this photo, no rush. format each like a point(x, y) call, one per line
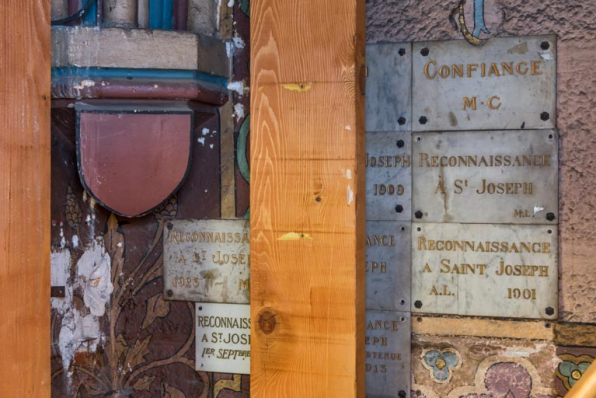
point(572, 368)
point(441, 363)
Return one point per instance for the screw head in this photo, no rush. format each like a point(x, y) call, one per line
point(399, 208)
point(423, 120)
point(545, 45)
point(550, 216)
point(170, 226)
point(169, 293)
point(549, 311)
point(544, 116)
point(402, 52)
point(424, 52)
point(418, 214)
point(401, 121)
point(400, 143)
point(418, 304)
point(401, 394)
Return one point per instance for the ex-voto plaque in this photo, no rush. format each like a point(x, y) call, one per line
point(222, 338)
point(505, 177)
point(388, 258)
point(508, 83)
point(485, 270)
point(207, 261)
point(388, 346)
point(388, 176)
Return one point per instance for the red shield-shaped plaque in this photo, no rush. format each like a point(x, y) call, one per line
point(131, 160)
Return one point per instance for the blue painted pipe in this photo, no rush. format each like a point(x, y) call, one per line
point(141, 74)
point(156, 8)
point(168, 15)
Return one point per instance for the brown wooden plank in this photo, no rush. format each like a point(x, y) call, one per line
point(307, 199)
point(25, 198)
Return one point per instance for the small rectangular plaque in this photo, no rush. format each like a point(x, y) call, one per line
point(389, 87)
point(223, 338)
point(207, 261)
point(508, 177)
point(485, 270)
point(388, 341)
point(388, 176)
point(388, 258)
point(508, 83)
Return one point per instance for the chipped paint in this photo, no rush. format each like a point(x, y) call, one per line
point(295, 236)
point(538, 209)
point(94, 274)
point(349, 128)
point(201, 141)
point(238, 87)
point(301, 88)
point(205, 131)
point(238, 111)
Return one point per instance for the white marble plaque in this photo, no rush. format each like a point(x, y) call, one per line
point(207, 261)
point(389, 87)
point(505, 177)
point(509, 83)
point(485, 270)
point(388, 176)
point(223, 338)
point(388, 347)
point(388, 259)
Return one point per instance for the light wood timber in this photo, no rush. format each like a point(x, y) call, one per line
point(25, 198)
point(307, 199)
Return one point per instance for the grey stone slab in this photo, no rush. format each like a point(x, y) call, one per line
point(508, 177)
point(485, 270)
point(388, 347)
point(388, 259)
point(389, 87)
point(388, 176)
point(207, 261)
point(222, 338)
point(509, 83)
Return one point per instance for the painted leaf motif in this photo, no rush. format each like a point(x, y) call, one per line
point(171, 392)
point(233, 385)
point(136, 355)
point(114, 243)
point(157, 307)
point(121, 346)
point(143, 383)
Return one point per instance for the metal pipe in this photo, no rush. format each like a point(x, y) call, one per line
point(120, 13)
point(143, 20)
point(586, 385)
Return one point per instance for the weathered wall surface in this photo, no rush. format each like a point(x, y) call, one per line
point(517, 360)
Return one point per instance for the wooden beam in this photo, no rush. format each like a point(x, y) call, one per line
point(307, 198)
point(25, 198)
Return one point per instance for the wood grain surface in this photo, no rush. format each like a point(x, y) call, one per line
point(307, 199)
point(25, 198)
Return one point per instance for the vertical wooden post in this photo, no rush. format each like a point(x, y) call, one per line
point(25, 198)
point(307, 198)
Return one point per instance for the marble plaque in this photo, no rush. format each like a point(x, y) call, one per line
point(388, 176)
point(485, 270)
point(508, 177)
point(388, 258)
point(389, 87)
point(207, 261)
point(223, 338)
point(509, 83)
point(388, 342)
